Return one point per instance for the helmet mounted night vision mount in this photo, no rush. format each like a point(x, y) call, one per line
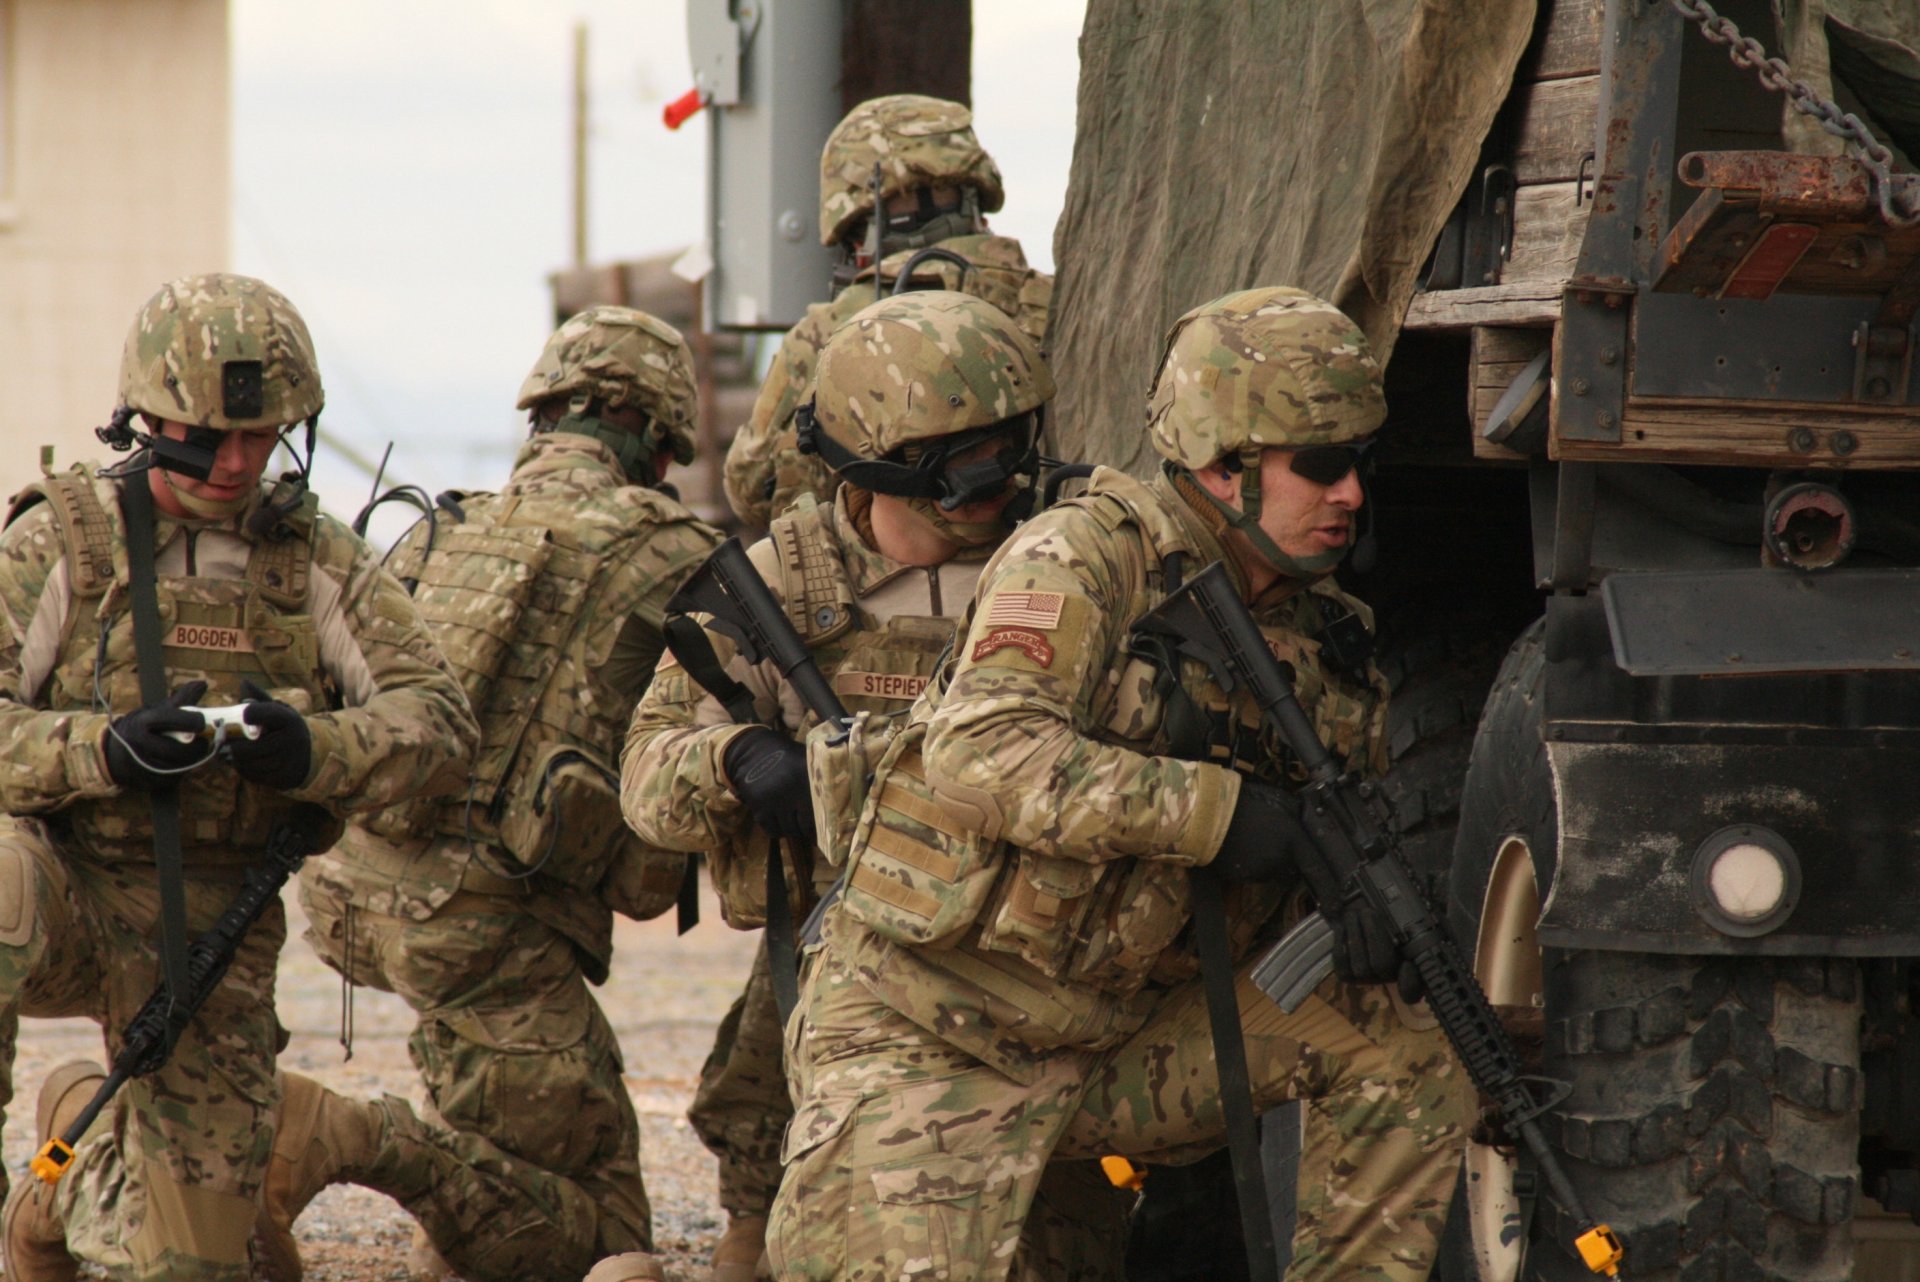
point(926, 472)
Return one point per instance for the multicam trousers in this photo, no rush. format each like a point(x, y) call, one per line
point(164, 1186)
point(1078, 1225)
point(511, 1044)
point(741, 1106)
point(909, 1159)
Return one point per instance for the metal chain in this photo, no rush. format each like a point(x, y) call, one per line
point(1775, 74)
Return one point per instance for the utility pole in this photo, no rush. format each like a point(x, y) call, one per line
point(905, 46)
point(579, 144)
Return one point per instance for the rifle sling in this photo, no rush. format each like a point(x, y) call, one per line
point(686, 906)
point(1236, 1087)
point(137, 506)
point(783, 953)
point(1187, 730)
point(689, 643)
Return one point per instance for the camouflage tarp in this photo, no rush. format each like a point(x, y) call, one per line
point(1863, 53)
point(1223, 144)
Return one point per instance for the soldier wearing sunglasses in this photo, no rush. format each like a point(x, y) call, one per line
point(1010, 978)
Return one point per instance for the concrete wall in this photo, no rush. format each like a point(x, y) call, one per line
point(114, 176)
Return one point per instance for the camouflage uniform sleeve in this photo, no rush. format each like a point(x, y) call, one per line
point(759, 446)
point(1350, 713)
point(660, 563)
point(673, 786)
point(1012, 743)
point(406, 730)
point(51, 758)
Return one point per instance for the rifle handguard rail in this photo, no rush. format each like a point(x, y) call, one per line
point(147, 1042)
point(1357, 851)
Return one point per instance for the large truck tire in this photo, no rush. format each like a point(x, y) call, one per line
point(1712, 1109)
point(1439, 676)
point(1438, 671)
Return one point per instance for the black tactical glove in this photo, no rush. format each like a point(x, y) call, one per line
point(1261, 844)
point(283, 754)
point(1261, 836)
point(141, 749)
point(1363, 950)
point(768, 772)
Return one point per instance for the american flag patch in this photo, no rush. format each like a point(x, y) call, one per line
point(1026, 609)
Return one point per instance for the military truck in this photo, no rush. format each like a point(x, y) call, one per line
point(1647, 273)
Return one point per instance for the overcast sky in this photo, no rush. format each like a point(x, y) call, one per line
point(401, 171)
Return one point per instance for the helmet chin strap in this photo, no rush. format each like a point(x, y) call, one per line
point(1246, 519)
point(634, 450)
point(921, 229)
point(210, 509)
point(967, 534)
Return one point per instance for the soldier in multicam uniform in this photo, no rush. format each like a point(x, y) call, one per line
point(262, 597)
point(875, 584)
point(489, 910)
point(936, 185)
point(1007, 980)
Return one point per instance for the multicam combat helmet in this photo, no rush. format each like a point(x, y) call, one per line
point(918, 142)
point(608, 358)
point(914, 380)
point(1258, 368)
point(220, 351)
point(216, 353)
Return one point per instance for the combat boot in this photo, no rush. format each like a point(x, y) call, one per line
point(36, 1240)
point(490, 1213)
point(741, 1253)
point(319, 1139)
point(423, 1262)
point(633, 1266)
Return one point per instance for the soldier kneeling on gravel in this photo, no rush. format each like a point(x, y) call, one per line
point(936, 186)
point(491, 910)
point(130, 599)
point(1008, 979)
point(928, 408)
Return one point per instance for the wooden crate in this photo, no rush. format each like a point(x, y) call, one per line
point(1499, 354)
point(1551, 111)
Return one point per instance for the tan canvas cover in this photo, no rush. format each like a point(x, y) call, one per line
point(1862, 53)
point(1223, 144)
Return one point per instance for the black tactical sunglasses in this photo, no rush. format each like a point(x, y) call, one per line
point(1329, 464)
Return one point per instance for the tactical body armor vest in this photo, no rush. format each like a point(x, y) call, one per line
point(877, 665)
point(514, 593)
point(1066, 942)
point(765, 469)
point(224, 631)
point(1000, 275)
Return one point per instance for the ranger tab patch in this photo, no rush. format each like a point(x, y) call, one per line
point(1032, 644)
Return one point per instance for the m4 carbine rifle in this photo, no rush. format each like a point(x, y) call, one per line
point(740, 605)
point(148, 1041)
point(1357, 854)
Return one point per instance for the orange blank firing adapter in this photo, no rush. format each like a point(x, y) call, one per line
point(52, 1161)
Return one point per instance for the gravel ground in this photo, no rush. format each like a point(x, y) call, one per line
point(664, 999)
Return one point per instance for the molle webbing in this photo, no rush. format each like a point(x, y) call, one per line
point(813, 579)
point(505, 594)
point(86, 530)
point(280, 563)
point(544, 633)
